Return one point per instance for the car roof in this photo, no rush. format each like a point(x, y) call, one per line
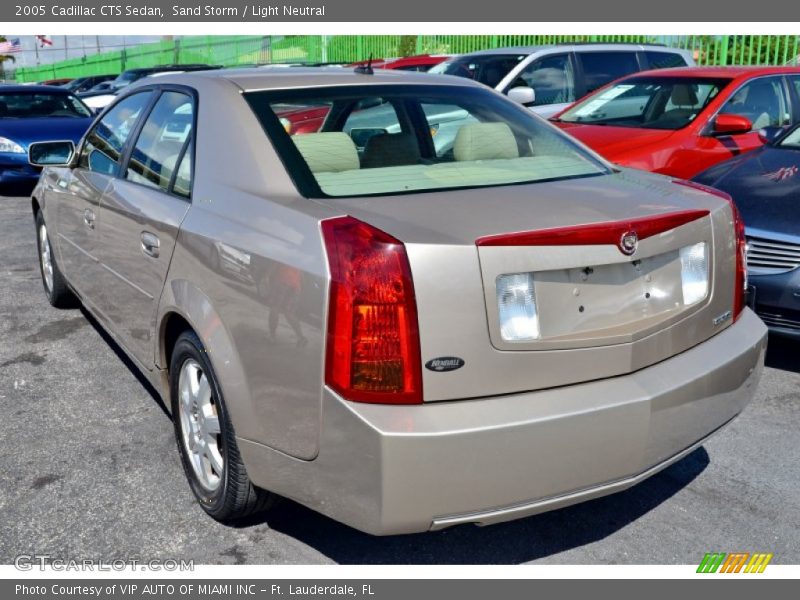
point(264, 78)
point(573, 46)
point(8, 88)
point(720, 72)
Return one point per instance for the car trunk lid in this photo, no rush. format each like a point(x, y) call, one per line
point(601, 312)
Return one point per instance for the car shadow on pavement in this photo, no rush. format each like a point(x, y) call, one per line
point(506, 543)
point(782, 353)
point(131, 366)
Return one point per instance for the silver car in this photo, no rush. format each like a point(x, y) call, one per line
point(400, 337)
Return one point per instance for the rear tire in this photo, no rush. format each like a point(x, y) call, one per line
point(206, 439)
point(55, 286)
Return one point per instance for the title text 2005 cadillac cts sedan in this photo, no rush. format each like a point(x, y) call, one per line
point(400, 335)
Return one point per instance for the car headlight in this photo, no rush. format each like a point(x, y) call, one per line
point(516, 304)
point(694, 273)
point(7, 145)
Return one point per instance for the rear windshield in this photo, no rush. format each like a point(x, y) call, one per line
point(647, 102)
point(375, 140)
point(489, 69)
point(24, 105)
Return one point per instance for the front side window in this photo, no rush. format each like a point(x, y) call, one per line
point(647, 102)
point(600, 68)
point(162, 141)
point(792, 140)
point(417, 139)
point(489, 69)
point(104, 143)
point(763, 101)
point(552, 79)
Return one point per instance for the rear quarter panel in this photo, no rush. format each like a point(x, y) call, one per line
point(248, 251)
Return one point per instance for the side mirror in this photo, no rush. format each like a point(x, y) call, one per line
point(767, 135)
point(731, 125)
point(522, 95)
point(51, 154)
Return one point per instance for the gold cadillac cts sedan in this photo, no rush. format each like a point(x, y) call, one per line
point(399, 299)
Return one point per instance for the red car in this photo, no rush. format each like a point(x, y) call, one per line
point(680, 122)
point(421, 62)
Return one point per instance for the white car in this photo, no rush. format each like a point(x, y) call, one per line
point(549, 78)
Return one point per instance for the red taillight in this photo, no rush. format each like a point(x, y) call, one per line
point(740, 279)
point(373, 352)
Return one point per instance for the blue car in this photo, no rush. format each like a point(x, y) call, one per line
point(34, 113)
point(765, 184)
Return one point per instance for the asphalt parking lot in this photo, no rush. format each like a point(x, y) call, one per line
point(89, 468)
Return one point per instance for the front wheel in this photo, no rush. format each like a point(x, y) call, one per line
point(55, 286)
point(205, 436)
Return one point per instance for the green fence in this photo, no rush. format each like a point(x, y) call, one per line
point(245, 50)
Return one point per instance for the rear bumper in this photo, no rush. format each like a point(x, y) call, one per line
point(404, 469)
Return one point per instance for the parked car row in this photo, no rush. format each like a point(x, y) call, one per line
point(471, 290)
point(679, 120)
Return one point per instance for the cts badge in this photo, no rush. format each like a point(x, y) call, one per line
point(629, 242)
point(444, 363)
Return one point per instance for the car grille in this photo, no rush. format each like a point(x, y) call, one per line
point(772, 320)
point(768, 256)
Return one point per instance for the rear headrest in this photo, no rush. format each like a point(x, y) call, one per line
point(391, 150)
point(485, 141)
point(328, 152)
point(683, 95)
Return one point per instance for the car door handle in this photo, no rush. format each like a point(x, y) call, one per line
point(88, 217)
point(150, 244)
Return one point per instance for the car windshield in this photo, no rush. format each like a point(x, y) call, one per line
point(32, 105)
point(126, 78)
point(488, 69)
point(377, 140)
point(792, 140)
point(647, 102)
point(75, 83)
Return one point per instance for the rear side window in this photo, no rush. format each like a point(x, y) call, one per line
point(600, 68)
point(796, 83)
point(664, 60)
point(103, 148)
point(162, 143)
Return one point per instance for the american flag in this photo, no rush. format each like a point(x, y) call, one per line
point(10, 46)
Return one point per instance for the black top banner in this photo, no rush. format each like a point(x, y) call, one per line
point(742, 11)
